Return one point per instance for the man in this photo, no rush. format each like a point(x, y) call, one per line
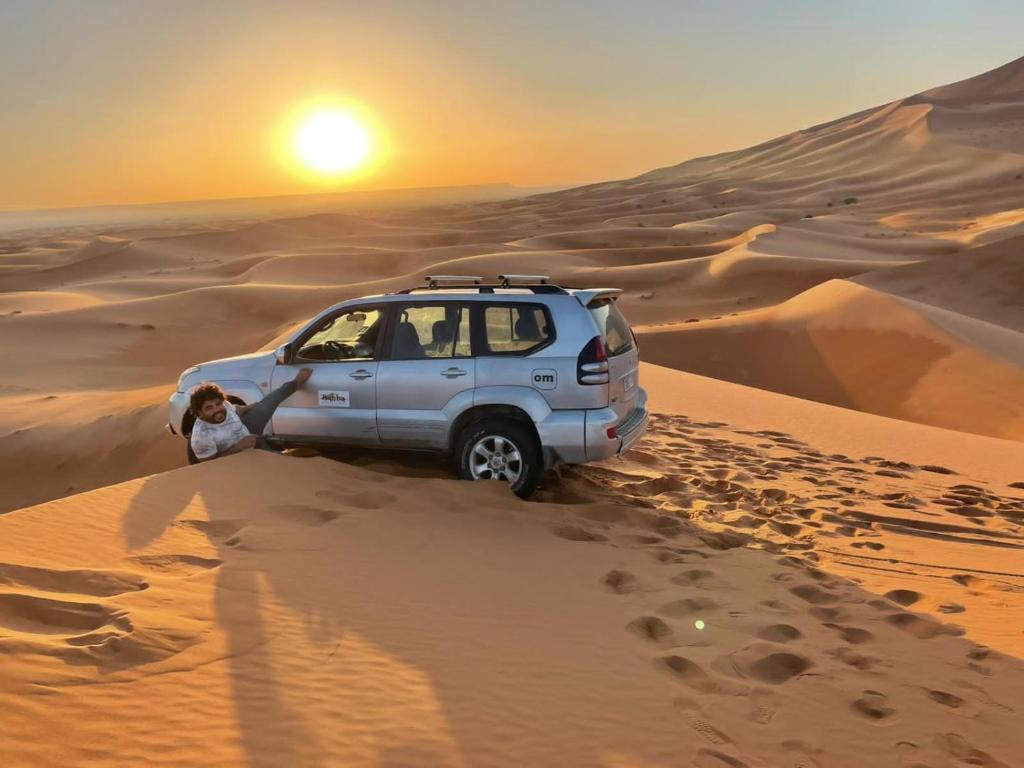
point(223, 428)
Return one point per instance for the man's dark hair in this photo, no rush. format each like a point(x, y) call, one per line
point(205, 391)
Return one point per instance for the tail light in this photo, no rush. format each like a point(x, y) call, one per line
point(592, 363)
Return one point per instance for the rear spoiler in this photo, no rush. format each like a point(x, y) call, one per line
point(588, 295)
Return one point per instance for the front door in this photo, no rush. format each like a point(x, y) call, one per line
point(427, 374)
point(339, 403)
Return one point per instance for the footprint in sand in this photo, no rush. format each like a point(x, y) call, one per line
point(764, 663)
point(695, 718)
point(852, 635)
point(576, 533)
point(945, 698)
point(814, 594)
point(976, 583)
point(695, 577)
point(689, 673)
point(904, 597)
point(183, 565)
point(854, 659)
point(656, 485)
point(216, 530)
point(890, 473)
point(364, 499)
point(47, 616)
point(653, 629)
point(713, 758)
point(79, 582)
point(620, 582)
point(978, 653)
point(918, 626)
point(778, 606)
point(777, 668)
point(689, 606)
point(874, 545)
point(873, 705)
point(791, 562)
point(764, 705)
point(304, 515)
point(780, 633)
point(958, 747)
point(792, 530)
point(723, 540)
point(937, 469)
point(636, 538)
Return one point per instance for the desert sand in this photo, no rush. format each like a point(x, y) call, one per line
point(813, 559)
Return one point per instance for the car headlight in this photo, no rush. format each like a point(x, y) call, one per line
point(185, 374)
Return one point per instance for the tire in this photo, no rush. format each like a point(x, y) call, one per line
point(527, 470)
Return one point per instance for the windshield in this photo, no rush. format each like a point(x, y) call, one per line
point(613, 327)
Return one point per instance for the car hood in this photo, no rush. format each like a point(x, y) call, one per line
point(253, 358)
point(254, 367)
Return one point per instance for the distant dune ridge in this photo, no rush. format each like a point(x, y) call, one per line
point(764, 581)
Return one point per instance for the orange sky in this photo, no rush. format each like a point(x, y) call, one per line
point(120, 102)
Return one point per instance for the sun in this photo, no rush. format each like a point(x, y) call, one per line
point(331, 142)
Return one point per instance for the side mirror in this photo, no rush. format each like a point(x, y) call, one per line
point(281, 354)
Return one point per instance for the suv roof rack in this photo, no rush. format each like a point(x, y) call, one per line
point(506, 280)
point(534, 283)
point(433, 280)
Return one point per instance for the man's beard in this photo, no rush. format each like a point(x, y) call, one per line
point(218, 418)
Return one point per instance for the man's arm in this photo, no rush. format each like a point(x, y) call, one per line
point(249, 441)
point(206, 450)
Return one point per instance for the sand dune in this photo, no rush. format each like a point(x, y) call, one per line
point(986, 283)
point(846, 344)
point(329, 619)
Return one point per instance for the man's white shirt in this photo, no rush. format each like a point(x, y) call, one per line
point(210, 439)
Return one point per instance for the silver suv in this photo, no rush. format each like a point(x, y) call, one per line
point(510, 378)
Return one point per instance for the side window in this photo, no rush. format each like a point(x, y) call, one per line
point(515, 329)
point(350, 335)
point(431, 331)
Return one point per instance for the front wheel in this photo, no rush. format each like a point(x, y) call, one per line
point(498, 449)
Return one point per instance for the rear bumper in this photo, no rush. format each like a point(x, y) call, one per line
point(627, 431)
point(561, 436)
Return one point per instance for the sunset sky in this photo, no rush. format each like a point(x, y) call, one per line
point(111, 101)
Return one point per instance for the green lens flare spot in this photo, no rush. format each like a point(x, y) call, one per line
point(699, 624)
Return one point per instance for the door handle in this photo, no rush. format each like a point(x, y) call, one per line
point(452, 373)
point(361, 374)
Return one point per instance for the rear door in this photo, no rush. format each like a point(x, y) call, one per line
point(623, 356)
point(427, 370)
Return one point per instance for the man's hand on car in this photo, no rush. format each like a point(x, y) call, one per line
point(249, 441)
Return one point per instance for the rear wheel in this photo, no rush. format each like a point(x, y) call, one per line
point(499, 449)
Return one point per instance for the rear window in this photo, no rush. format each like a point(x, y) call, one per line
point(613, 327)
point(515, 329)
